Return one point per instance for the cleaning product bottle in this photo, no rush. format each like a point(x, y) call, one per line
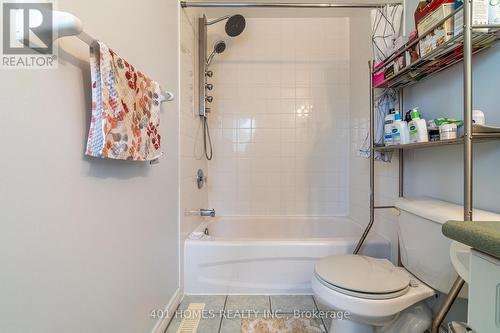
point(388, 123)
point(418, 128)
point(400, 132)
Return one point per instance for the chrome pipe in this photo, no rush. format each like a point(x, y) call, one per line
point(485, 26)
point(467, 69)
point(372, 164)
point(459, 282)
point(202, 64)
point(217, 20)
point(207, 212)
point(450, 298)
point(401, 151)
point(249, 4)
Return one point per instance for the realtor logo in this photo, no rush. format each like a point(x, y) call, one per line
point(27, 35)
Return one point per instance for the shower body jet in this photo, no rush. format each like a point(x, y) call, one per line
point(235, 24)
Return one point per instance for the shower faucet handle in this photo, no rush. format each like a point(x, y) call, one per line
point(209, 73)
point(209, 86)
point(209, 99)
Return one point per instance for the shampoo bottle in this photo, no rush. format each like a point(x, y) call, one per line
point(400, 132)
point(418, 128)
point(388, 124)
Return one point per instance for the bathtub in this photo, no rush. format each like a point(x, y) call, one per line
point(267, 255)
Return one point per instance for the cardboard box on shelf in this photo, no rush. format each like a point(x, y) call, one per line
point(413, 54)
point(400, 61)
point(427, 15)
point(480, 14)
point(494, 12)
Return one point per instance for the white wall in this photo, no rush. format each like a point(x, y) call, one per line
point(280, 119)
point(87, 245)
point(442, 95)
point(386, 174)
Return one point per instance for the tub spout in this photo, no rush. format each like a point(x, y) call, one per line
point(207, 212)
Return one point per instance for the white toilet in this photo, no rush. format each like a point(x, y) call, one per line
point(381, 297)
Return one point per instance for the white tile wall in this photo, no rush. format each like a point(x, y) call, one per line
point(386, 174)
point(192, 157)
point(280, 119)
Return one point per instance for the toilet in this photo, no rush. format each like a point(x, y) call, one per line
point(381, 297)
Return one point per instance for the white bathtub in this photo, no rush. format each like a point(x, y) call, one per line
point(268, 255)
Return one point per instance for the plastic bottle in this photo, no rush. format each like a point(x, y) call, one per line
point(400, 132)
point(418, 128)
point(388, 123)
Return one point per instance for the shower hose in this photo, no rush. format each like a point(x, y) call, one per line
point(207, 140)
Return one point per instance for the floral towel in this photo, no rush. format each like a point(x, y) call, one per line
point(125, 121)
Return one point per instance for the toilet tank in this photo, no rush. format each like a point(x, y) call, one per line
point(425, 251)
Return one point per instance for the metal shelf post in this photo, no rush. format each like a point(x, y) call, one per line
point(468, 181)
point(372, 162)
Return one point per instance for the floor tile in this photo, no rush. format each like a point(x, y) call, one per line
point(212, 303)
point(247, 303)
point(291, 303)
point(327, 322)
point(321, 306)
point(230, 325)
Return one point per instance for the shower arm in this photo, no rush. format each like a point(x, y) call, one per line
point(209, 59)
point(217, 20)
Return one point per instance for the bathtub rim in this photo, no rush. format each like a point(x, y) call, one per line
point(373, 236)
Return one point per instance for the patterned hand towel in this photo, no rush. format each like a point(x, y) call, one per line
point(125, 121)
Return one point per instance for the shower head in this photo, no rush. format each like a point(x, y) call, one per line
point(219, 47)
point(235, 25)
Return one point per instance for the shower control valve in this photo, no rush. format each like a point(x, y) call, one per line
point(209, 86)
point(209, 99)
point(209, 73)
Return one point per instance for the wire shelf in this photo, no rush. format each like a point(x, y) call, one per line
point(477, 137)
point(439, 59)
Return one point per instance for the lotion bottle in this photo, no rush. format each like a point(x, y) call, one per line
point(417, 128)
point(400, 132)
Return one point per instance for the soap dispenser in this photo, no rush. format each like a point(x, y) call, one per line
point(418, 128)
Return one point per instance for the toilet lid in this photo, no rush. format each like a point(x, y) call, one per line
point(361, 274)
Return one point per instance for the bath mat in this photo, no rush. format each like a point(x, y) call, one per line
point(280, 325)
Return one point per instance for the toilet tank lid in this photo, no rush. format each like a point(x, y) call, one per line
point(441, 211)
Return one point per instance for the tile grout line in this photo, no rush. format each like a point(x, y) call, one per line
point(222, 314)
point(174, 316)
point(322, 319)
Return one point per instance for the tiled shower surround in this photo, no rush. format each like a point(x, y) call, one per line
point(280, 119)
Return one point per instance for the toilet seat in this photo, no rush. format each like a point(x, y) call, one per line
point(357, 306)
point(354, 293)
point(363, 277)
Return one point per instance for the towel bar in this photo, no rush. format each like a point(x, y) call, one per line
point(66, 24)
